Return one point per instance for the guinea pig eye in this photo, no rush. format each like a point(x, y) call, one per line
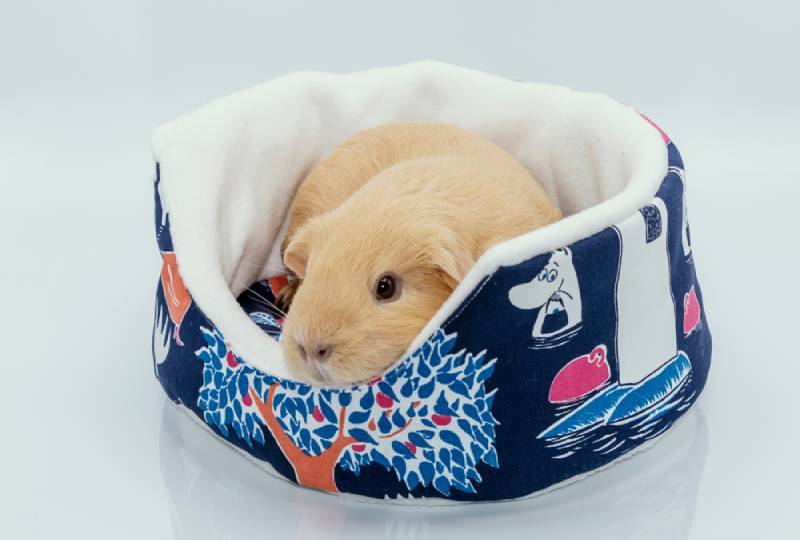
point(387, 288)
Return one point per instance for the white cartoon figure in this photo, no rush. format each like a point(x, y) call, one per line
point(645, 307)
point(687, 246)
point(556, 292)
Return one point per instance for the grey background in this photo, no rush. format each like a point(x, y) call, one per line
point(89, 448)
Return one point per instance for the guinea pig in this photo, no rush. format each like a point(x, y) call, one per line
point(382, 231)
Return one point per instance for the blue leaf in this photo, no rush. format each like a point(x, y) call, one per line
point(326, 432)
point(442, 407)
point(399, 465)
point(402, 449)
point(476, 450)
point(224, 430)
point(380, 458)
point(215, 361)
point(209, 338)
point(408, 388)
point(430, 455)
point(418, 440)
point(486, 372)
point(228, 415)
point(426, 471)
point(426, 389)
point(450, 438)
point(428, 423)
point(412, 480)
point(411, 412)
point(327, 412)
point(344, 398)
point(490, 458)
point(249, 422)
point(237, 407)
point(359, 417)
point(471, 411)
point(447, 345)
point(384, 424)
point(301, 407)
point(305, 437)
point(458, 456)
point(222, 350)
point(423, 369)
point(277, 400)
point(446, 378)
point(258, 385)
point(223, 400)
point(480, 438)
point(367, 400)
point(458, 474)
point(362, 436)
point(386, 389)
point(490, 399)
point(398, 419)
point(243, 385)
point(206, 376)
point(259, 436)
point(218, 378)
point(315, 449)
point(442, 485)
point(459, 388)
point(465, 426)
point(423, 411)
point(473, 475)
point(444, 457)
point(464, 486)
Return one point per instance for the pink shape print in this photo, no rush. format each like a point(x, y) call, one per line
point(691, 312)
point(580, 376)
point(663, 135)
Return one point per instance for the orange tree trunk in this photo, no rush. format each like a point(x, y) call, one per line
point(311, 471)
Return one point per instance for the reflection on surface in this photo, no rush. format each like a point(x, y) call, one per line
point(215, 493)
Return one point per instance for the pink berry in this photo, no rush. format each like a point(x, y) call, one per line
point(384, 400)
point(411, 447)
point(358, 447)
point(247, 400)
point(441, 419)
point(317, 414)
point(231, 359)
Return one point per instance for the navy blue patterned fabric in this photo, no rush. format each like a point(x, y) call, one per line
point(534, 379)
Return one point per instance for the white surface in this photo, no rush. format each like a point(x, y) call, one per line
point(88, 448)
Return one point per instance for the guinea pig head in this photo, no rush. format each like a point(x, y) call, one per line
point(370, 283)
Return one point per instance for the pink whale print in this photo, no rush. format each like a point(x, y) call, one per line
point(691, 312)
point(580, 376)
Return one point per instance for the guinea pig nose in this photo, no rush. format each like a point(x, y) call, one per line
point(321, 351)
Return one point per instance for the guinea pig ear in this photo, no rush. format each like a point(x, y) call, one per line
point(451, 257)
point(295, 256)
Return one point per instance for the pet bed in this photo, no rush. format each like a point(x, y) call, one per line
point(562, 351)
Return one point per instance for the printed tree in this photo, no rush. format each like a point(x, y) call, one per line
point(429, 419)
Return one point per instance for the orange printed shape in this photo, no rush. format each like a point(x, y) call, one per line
point(311, 471)
point(175, 292)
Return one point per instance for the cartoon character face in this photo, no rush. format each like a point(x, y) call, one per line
point(555, 290)
point(547, 282)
